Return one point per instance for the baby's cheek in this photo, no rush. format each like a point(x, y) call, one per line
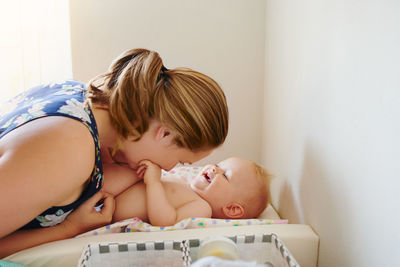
point(197, 184)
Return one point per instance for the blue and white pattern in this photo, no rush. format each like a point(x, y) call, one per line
point(75, 108)
point(53, 219)
point(65, 99)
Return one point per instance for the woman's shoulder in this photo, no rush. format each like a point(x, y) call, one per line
point(56, 152)
point(63, 137)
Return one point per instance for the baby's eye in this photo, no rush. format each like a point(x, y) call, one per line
point(224, 172)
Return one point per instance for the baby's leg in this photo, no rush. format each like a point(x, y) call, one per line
point(131, 203)
point(118, 178)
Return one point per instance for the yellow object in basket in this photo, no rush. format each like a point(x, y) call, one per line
point(221, 247)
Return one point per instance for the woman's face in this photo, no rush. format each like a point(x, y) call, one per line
point(157, 146)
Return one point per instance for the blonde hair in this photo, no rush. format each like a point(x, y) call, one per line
point(258, 200)
point(138, 88)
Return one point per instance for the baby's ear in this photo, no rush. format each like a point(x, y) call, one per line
point(233, 210)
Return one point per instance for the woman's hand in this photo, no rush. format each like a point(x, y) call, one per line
point(86, 218)
point(149, 171)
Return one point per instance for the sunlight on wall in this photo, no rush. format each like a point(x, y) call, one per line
point(35, 44)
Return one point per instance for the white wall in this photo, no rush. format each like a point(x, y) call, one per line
point(224, 39)
point(331, 124)
point(330, 129)
point(32, 50)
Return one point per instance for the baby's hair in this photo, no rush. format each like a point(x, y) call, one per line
point(138, 88)
point(256, 203)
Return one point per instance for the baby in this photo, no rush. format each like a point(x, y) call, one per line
point(234, 188)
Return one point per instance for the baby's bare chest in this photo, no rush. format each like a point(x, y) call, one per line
point(179, 193)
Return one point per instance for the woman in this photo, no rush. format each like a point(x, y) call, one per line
point(53, 140)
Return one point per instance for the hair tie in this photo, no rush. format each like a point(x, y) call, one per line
point(162, 73)
point(163, 69)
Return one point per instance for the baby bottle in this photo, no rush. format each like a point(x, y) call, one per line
point(220, 246)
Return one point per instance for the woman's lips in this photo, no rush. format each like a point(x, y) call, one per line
point(126, 164)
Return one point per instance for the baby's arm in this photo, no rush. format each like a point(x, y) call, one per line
point(159, 210)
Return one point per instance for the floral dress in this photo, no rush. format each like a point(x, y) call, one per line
point(62, 99)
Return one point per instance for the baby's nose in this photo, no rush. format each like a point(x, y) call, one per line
point(216, 170)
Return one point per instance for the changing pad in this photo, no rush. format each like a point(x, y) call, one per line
point(136, 225)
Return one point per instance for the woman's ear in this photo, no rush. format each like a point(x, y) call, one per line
point(233, 210)
point(162, 133)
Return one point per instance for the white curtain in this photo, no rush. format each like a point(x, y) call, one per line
point(35, 44)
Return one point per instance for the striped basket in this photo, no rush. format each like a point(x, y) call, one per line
point(265, 249)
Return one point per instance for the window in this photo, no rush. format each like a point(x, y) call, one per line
point(35, 44)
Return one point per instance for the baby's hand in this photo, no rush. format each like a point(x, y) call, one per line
point(148, 171)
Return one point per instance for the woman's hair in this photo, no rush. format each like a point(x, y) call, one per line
point(138, 88)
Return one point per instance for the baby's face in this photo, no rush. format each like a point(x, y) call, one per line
point(225, 182)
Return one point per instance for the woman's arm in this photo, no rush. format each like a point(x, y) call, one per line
point(118, 178)
point(83, 219)
point(42, 164)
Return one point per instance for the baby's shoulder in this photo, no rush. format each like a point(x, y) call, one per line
point(173, 184)
point(178, 191)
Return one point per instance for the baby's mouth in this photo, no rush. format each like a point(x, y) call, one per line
point(205, 175)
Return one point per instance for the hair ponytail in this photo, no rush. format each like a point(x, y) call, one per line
point(138, 88)
point(126, 89)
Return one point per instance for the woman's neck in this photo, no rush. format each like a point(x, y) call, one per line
point(107, 134)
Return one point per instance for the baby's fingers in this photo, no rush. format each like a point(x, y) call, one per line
point(145, 162)
point(141, 170)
